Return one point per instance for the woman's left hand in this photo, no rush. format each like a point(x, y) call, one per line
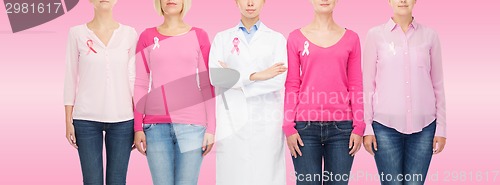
point(355, 144)
point(208, 143)
point(440, 142)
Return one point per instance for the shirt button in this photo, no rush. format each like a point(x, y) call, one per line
point(407, 96)
point(409, 111)
point(407, 82)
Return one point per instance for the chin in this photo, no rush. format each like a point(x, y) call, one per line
point(250, 16)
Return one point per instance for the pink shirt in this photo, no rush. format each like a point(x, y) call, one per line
point(323, 84)
point(99, 79)
point(172, 82)
point(403, 78)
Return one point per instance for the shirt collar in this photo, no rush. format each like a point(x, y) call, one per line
point(391, 25)
point(256, 26)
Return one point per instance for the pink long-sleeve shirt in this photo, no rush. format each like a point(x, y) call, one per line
point(323, 84)
point(403, 78)
point(172, 83)
point(100, 78)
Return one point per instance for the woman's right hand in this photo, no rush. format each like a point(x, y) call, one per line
point(140, 142)
point(70, 133)
point(368, 142)
point(293, 142)
point(269, 73)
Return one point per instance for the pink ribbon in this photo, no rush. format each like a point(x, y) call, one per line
point(90, 44)
point(236, 42)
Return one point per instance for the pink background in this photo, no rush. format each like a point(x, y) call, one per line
point(34, 149)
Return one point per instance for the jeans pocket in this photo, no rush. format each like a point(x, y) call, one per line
point(196, 126)
point(344, 126)
point(147, 127)
point(302, 125)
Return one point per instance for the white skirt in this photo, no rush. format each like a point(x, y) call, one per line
point(250, 142)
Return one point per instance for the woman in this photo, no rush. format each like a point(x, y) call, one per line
point(323, 102)
point(250, 147)
point(405, 109)
point(100, 72)
point(178, 112)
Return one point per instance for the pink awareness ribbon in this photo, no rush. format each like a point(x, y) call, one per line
point(90, 44)
point(236, 42)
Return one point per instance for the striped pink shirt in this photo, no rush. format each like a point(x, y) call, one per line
point(403, 78)
point(323, 84)
point(172, 83)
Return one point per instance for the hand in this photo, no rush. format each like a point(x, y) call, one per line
point(370, 141)
point(269, 73)
point(224, 65)
point(293, 142)
point(438, 144)
point(355, 144)
point(208, 143)
point(140, 142)
point(70, 133)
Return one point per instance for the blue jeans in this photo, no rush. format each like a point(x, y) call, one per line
point(403, 158)
point(174, 152)
point(119, 139)
point(326, 142)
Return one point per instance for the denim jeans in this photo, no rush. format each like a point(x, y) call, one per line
point(324, 143)
point(174, 152)
point(119, 138)
point(403, 158)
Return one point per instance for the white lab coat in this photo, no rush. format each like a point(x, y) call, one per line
point(249, 137)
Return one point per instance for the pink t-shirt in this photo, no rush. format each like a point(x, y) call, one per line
point(324, 84)
point(172, 83)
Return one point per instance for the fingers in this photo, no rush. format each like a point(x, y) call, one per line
point(374, 141)
point(141, 146)
point(292, 149)
point(208, 149)
point(144, 147)
point(222, 64)
point(351, 143)
point(368, 148)
point(297, 149)
point(352, 146)
point(279, 64)
point(293, 142)
point(356, 146)
point(438, 145)
point(434, 143)
point(204, 144)
point(72, 140)
point(133, 147)
point(300, 141)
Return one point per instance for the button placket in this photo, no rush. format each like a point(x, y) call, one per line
point(407, 60)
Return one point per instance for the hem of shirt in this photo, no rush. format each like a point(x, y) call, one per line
point(404, 132)
point(104, 121)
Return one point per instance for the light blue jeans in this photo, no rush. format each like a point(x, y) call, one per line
point(174, 152)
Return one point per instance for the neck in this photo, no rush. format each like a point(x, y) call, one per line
point(172, 21)
point(323, 21)
point(403, 21)
point(249, 22)
point(103, 19)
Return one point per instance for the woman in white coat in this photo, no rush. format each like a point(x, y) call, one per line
point(250, 141)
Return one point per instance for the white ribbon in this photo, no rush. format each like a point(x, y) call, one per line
point(157, 45)
point(392, 47)
point(306, 48)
